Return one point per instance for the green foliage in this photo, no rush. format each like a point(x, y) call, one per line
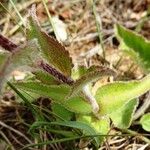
point(62, 112)
point(78, 72)
point(135, 45)
point(44, 90)
point(44, 77)
point(58, 94)
point(145, 122)
point(101, 126)
point(78, 105)
point(122, 118)
point(112, 97)
point(117, 100)
point(90, 76)
point(50, 49)
point(87, 130)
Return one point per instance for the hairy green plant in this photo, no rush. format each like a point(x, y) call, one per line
point(135, 45)
point(52, 66)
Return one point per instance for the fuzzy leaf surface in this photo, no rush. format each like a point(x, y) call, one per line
point(113, 96)
point(79, 105)
point(56, 92)
point(145, 122)
point(122, 118)
point(44, 77)
point(53, 51)
point(88, 78)
point(101, 126)
point(135, 45)
point(60, 111)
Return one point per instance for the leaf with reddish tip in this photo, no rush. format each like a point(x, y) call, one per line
point(53, 51)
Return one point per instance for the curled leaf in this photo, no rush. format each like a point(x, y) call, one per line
point(89, 77)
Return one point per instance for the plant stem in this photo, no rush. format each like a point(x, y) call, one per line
point(18, 13)
point(50, 19)
point(99, 27)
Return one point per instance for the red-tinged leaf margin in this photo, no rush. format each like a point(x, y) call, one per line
point(52, 50)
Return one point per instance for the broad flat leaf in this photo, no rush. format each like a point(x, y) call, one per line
point(145, 122)
point(78, 105)
point(60, 111)
point(113, 96)
point(134, 44)
point(122, 118)
point(51, 49)
point(44, 77)
point(101, 126)
point(88, 78)
point(88, 130)
point(56, 92)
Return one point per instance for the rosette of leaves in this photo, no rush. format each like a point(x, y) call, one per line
point(52, 68)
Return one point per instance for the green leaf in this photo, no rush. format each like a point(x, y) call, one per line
point(78, 105)
point(88, 78)
point(24, 97)
point(122, 118)
point(60, 111)
point(78, 72)
point(44, 77)
point(145, 122)
point(53, 51)
point(101, 126)
point(56, 92)
point(134, 44)
point(113, 96)
point(87, 130)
